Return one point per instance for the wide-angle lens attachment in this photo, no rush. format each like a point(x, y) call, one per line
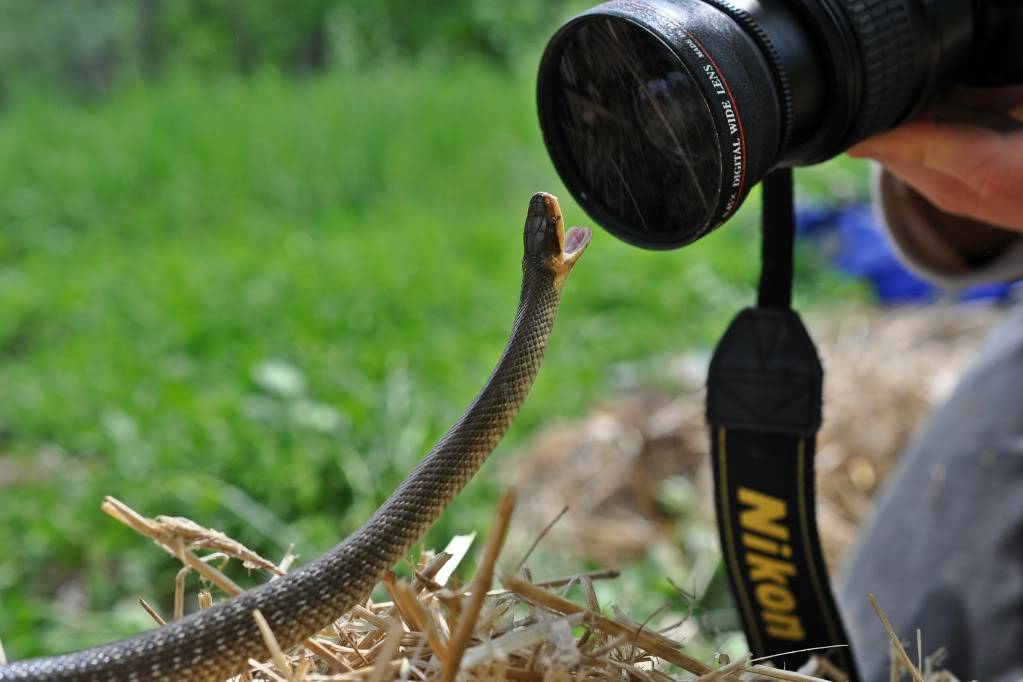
point(660, 115)
point(645, 127)
point(629, 128)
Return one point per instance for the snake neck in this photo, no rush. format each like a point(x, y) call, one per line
point(491, 413)
point(460, 453)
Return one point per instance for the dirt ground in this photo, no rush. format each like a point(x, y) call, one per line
point(884, 371)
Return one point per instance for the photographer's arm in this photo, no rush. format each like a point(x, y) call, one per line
point(952, 188)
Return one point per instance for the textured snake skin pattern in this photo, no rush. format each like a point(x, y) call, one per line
point(216, 643)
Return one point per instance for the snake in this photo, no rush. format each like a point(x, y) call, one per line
point(217, 643)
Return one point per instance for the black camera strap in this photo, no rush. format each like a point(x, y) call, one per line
point(764, 409)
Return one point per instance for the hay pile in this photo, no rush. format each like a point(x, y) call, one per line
point(429, 630)
point(434, 629)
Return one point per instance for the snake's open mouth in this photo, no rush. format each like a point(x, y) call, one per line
point(576, 240)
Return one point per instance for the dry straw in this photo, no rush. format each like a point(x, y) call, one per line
point(432, 629)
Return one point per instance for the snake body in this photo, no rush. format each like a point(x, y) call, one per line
point(216, 643)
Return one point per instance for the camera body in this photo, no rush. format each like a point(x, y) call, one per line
point(996, 57)
point(661, 115)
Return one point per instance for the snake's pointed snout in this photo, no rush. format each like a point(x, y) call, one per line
point(544, 205)
point(545, 230)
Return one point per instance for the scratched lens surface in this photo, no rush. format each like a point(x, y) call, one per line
point(637, 137)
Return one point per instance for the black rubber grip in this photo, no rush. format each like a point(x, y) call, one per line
point(884, 33)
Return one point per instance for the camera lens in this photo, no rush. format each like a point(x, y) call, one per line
point(632, 127)
point(643, 108)
point(661, 115)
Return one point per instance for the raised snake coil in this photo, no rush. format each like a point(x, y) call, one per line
point(216, 643)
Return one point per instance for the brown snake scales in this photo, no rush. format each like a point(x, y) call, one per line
point(216, 643)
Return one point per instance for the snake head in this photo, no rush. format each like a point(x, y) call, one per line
point(546, 241)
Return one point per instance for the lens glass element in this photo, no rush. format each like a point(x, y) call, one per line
point(631, 133)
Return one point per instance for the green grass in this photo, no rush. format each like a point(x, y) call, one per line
point(256, 304)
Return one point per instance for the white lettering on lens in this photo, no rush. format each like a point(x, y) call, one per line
point(715, 80)
point(736, 163)
point(733, 127)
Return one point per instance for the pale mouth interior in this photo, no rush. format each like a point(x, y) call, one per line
point(576, 240)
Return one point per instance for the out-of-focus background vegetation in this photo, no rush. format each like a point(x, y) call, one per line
point(256, 256)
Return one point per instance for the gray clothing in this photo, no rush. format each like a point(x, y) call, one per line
point(944, 549)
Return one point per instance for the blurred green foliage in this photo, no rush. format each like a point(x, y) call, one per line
point(255, 300)
point(89, 47)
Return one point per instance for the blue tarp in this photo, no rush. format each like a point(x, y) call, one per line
point(852, 240)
